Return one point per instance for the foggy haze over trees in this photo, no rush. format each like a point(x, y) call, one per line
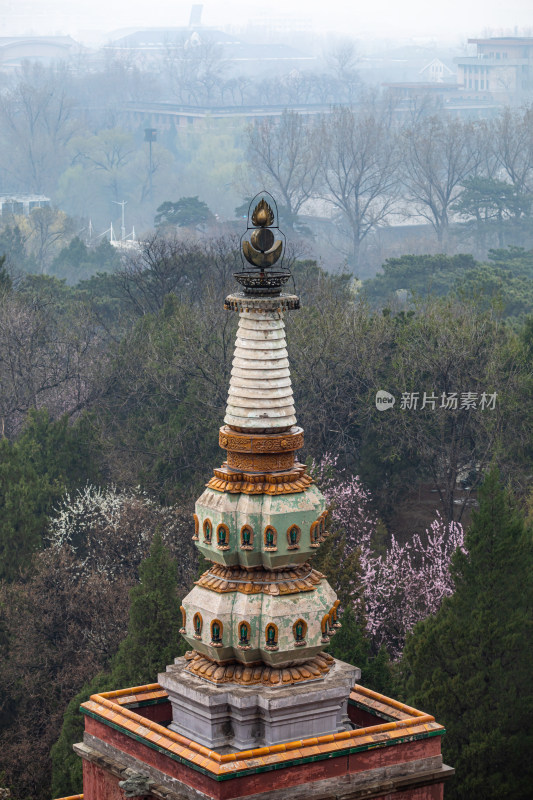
point(339, 151)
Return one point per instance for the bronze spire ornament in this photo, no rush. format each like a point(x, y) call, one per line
point(262, 247)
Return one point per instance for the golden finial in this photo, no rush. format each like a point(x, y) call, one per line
point(262, 214)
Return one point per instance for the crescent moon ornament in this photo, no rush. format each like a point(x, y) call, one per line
point(258, 259)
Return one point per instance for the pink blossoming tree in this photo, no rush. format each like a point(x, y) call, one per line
point(405, 584)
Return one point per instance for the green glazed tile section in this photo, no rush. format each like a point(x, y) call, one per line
point(258, 610)
point(282, 512)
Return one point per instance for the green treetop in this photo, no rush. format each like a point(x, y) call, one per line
point(471, 664)
point(187, 212)
point(153, 639)
point(49, 458)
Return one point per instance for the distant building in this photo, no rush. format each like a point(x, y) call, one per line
point(164, 115)
point(502, 66)
point(21, 204)
point(269, 25)
point(196, 15)
point(499, 73)
point(436, 72)
point(438, 91)
point(46, 49)
point(253, 57)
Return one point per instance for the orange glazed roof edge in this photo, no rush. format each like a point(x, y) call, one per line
point(109, 708)
point(71, 797)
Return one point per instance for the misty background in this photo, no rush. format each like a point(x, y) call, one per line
point(110, 116)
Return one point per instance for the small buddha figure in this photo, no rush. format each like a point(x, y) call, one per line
point(299, 631)
point(269, 538)
point(243, 635)
point(271, 636)
point(215, 633)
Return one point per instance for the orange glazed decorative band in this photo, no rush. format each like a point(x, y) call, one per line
point(261, 462)
point(270, 483)
point(260, 581)
point(251, 675)
point(291, 440)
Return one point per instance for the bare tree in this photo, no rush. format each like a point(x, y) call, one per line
point(59, 632)
point(169, 265)
point(280, 156)
point(107, 158)
point(342, 59)
point(37, 120)
point(439, 154)
point(195, 68)
point(46, 359)
point(485, 201)
point(358, 169)
point(514, 147)
point(49, 230)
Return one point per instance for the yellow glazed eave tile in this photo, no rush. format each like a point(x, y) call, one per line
point(203, 762)
point(343, 744)
point(273, 758)
point(310, 751)
point(177, 749)
point(363, 740)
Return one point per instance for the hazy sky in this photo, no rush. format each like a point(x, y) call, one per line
point(439, 18)
point(405, 16)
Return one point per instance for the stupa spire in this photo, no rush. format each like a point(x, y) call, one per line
point(260, 393)
point(260, 616)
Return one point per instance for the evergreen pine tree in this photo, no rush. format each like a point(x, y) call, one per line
point(67, 767)
point(49, 458)
point(153, 639)
point(471, 664)
point(352, 645)
point(152, 642)
point(6, 284)
point(59, 452)
point(22, 519)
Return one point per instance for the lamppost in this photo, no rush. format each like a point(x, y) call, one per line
point(121, 203)
point(150, 135)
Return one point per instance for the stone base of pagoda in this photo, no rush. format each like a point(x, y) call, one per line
point(232, 717)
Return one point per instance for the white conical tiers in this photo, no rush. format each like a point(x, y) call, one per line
point(260, 392)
